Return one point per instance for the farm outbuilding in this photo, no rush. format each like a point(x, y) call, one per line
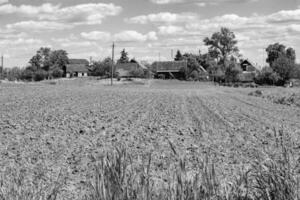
point(127, 70)
point(77, 68)
point(169, 69)
point(249, 71)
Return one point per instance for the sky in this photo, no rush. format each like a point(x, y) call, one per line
point(149, 30)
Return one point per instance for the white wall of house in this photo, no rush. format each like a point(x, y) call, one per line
point(80, 74)
point(68, 75)
point(85, 74)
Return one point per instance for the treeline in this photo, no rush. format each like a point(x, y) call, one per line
point(45, 64)
point(222, 61)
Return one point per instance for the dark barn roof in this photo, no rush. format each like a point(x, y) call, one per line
point(81, 68)
point(248, 66)
point(79, 61)
point(169, 66)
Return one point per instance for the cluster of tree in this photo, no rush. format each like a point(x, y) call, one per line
point(282, 66)
point(46, 64)
point(220, 62)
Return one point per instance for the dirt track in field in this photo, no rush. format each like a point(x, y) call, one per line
point(68, 125)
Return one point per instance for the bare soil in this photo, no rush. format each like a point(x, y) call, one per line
point(46, 128)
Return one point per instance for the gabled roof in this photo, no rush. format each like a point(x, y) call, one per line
point(72, 68)
point(79, 61)
point(162, 66)
point(251, 63)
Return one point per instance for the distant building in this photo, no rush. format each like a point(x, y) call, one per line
point(77, 68)
point(249, 71)
point(126, 70)
point(169, 69)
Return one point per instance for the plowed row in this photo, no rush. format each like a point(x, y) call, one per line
point(48, 128)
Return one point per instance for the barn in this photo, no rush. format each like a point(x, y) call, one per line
point(127, 70)
point(77, 68)
point(249, 71)
point(169, 69)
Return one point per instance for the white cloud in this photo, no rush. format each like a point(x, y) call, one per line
point(3, 1)
point(96, 35)
point(79, 14)
point(164, 17)
point(201, 3)
point(37, 26)
point(134, 36)
point(170, 30)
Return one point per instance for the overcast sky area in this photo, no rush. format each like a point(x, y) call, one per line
point(144, 28)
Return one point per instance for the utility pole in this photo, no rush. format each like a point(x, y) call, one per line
point(2, 67)
point(112, 64)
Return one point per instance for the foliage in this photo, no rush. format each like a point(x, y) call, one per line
point(45, 59)
point(284, 67)
point(57, 72)
point(124, 57)
point(59, 58)
point(277, 50)
point(178, 56)
point(12, 74)
point(232, 71)
point(101, 68)
point(40, 75)
point(267, 76)
point(222, 44)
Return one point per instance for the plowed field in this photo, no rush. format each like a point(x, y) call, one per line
point(48, 128)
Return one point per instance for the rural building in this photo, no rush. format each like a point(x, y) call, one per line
point(169, 69)
point(126, 70)
point(77, 68)
point(249, 70)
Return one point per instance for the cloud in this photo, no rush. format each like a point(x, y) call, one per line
point(201, 3)
point(3, 1)
point(134, 36)
point(96, 35)
point(163, 17)
point(37, 26)
point(78, 14)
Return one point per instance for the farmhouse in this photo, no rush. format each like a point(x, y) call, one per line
point(169, 69)
point(126, 70)
point(249, 70)
point(77, 68)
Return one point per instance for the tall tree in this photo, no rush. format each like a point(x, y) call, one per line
point(222, 45)
point(282, 60)
point(274, 51)
point(178, 56)
point(59, 59)
point(124, 57)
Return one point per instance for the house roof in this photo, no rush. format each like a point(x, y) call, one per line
point(72, 68)
point(169, 66)
point(79, 61)
point(251, 63)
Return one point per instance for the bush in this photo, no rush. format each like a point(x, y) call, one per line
point(194, 76)
point(27, 75)
point(232, 72)
point(57, 73)
point(40, 75)
point(268, 77)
